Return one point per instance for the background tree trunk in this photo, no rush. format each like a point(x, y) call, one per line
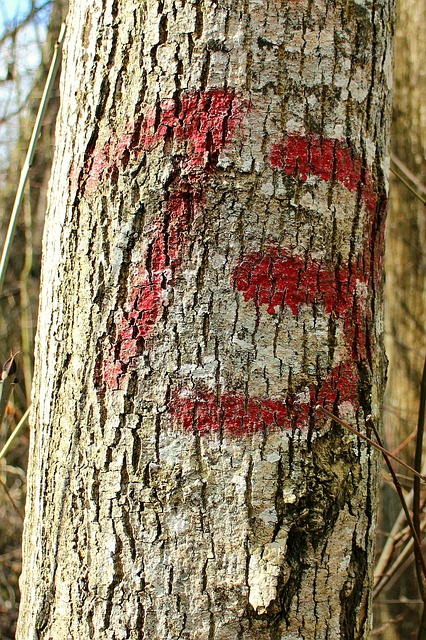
point(405, 291)
point(212, 272)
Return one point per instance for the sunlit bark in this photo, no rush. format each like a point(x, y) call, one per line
point(212, 272)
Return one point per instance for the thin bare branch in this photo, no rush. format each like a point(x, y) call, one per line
point(418, 552)
point(383, 573)
point(12, 500)
point(407, 178)
point(54, 66)
point(8, 381)
point(407, 173)
point(15, 433)
point(367, 439)
point(416, 487)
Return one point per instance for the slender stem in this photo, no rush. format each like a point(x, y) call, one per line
point(382, 573)
point(54, 66)
point(408, 185)
point(385, 578)
point(416, 484)
point(12, 501)
point(7, 384)
point(407, 173)
point(420, 561)
point(15, 433)
point(27, 336)
point(407, 178)
point(419, 447)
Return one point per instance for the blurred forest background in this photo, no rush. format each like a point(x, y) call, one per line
point(28, 32)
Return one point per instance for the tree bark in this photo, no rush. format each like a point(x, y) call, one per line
point(212, 273)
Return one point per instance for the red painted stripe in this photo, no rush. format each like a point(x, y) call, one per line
point(237, 414)
point(329, 159)
point(277, 278)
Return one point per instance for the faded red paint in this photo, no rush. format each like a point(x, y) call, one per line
point(196, 129)
point(149, 285)
point(199, 126)
point(329, 159)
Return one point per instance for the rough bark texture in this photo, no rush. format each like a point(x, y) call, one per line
point(405, 290)
point(212, 272)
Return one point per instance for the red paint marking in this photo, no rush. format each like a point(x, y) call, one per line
point(329, 159)
point(201, 124)
point(200, 127)
point(149, 285)
point(237, 414)
point(277, 278)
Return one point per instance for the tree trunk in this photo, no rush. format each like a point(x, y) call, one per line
point(212, 273)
